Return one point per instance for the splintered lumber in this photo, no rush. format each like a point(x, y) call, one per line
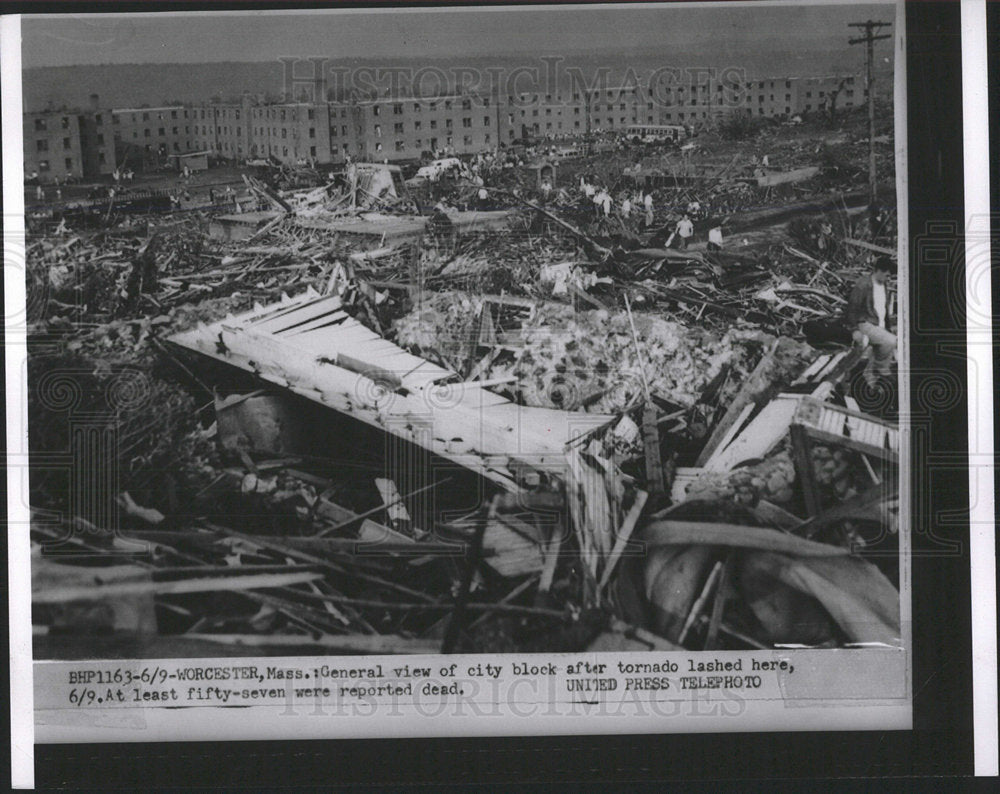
point(699, 604)
point(624, 534)
point(759, 437)
point(754, 386)
point(395, 509)
point(804, 469)
point(832, 424)
point(878, 249)
point(375, 510)
point(347, 643)
point(651, 447)
point(298, 554)
point(59, 595)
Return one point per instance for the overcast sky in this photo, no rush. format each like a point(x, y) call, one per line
point(254, 36)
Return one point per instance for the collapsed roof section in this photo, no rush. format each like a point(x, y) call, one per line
point(312, 347)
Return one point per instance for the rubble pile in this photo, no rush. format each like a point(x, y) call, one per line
point(285, 386)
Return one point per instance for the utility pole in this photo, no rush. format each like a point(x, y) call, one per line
point(871, 28)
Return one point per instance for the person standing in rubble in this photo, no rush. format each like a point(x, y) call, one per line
point(648, 204)
point(715, 234)
point(626, 207)
point(684, 230)
point(867, 314)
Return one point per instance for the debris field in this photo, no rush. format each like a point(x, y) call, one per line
point(362, 416)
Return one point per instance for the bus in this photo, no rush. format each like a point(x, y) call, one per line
point(656, 133)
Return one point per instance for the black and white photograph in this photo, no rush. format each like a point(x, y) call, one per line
point(483, 336)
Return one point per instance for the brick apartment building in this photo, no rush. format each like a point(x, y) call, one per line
point(147, 136)
point(58, 144)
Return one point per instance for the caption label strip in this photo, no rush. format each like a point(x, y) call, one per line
point(467, 684)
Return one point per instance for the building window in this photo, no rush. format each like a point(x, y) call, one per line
point(100, 140)
point(448, 141)
point(400, 146)
point(145, 117)
point(312, 151)
point(284, 151)
point(378, 130)
point(65, 122)
point(284, 132)
point(177, 146)
point(67, 143)
point(416, 107)
point(448, 123)
point(343, 130)
point(174, 130)
point(161, 132)
point(39, 125)
point(447, 104)
point(310, 114)
point(467, 122)
point(43, 165)
point(100, 158)
point(42, 145)
point(173, 114)
point(69, 163)
point(376, 110)
point(145, 132)
point(378, 147)
point(397, 109)
point(398, 127)
point(418, 142)
point(312, 132)
point(282, 114)
point(434, 124)
point(788, 97)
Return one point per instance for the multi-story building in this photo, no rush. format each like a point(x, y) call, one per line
point(145, 136)
point(404, 128)
point(52, 148)
point(292, 132)
point(97, 142)
point(58, 144)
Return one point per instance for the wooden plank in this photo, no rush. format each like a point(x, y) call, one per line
point(651, 448)
point(878, 249)
point(887, 454)
point(735, 424)
point(760, 436)
point(804, 469)
point(755, 385)
point(624, 534)
point(398, 515)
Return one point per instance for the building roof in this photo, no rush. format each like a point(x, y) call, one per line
point(147, 110)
